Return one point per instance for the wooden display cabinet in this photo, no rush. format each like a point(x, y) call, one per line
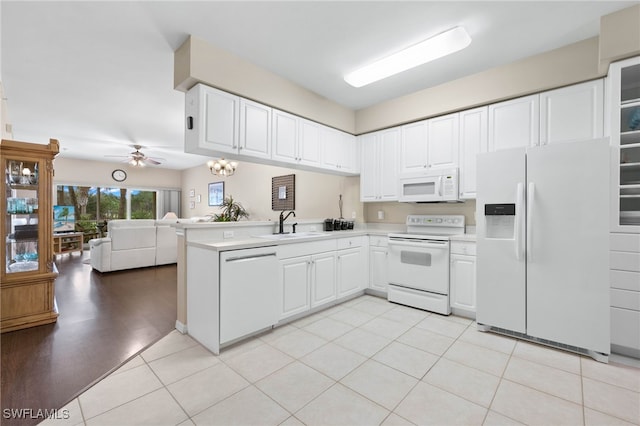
point(27, 273)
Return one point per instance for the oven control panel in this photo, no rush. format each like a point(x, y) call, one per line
point(435, 220)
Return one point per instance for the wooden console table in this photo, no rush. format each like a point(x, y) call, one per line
point(67, 242)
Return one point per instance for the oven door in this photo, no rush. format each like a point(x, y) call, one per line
point(419, 264)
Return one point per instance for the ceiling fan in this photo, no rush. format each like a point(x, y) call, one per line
point(138, 159)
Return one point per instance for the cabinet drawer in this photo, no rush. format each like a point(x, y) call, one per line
point(624, 261)
point(349, 242)
point(463, 247)
point(625, 328)
point(625, 299)
point(378, 241)
point(286, 251)
point(625, 242)
point(625, 280)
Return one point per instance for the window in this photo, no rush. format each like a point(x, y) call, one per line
point(99, 204)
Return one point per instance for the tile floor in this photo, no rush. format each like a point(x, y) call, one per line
point(365, 362)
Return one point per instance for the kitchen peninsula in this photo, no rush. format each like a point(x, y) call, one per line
point(240, 279)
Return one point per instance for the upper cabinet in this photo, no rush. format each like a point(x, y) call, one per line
point(379, 167)
point(413, 148)
point(429, 144)
point(255, 129)
point(339, 151)
point(442, 136)
point(221, 124)
point(284, 145)
point(309, 152)
point(572, 113)
point(212, 120)
point(514, 123)
point(473, 140)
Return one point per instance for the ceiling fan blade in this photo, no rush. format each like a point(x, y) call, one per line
point(150, 161)
point(117, 156)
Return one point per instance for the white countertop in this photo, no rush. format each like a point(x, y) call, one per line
point(254, 242)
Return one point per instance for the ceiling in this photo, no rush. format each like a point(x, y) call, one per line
point(98, 75)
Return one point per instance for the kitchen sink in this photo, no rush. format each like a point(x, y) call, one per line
point(291, 235)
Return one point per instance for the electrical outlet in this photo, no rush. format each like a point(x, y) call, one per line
point(227, 234)
point(380, 215)
point(353, 215)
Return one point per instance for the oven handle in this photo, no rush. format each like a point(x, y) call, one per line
point(425, 244)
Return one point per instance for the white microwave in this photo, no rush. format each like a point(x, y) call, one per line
point(434, 187)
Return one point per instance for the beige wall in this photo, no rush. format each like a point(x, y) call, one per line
point(198, 61)
point(397, 212)
point(97, 173)
point(619, 35)
point(316, 193)
point(570, 64)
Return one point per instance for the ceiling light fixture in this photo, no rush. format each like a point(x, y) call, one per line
point(432, 48)
point(222, 167)
point(137, 162)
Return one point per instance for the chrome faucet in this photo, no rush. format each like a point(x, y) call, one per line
point(283, 218)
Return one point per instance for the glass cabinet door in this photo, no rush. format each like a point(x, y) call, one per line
point(21, 215)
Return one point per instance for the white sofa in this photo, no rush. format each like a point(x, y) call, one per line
point(135, 243)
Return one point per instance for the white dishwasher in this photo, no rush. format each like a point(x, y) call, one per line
point(248, 291)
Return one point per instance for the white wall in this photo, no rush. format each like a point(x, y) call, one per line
point(97, 173)
point(316, 193)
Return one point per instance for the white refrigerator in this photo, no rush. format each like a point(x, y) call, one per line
point(542, 216)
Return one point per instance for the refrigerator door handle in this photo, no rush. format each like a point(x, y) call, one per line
point(518, 224)
point(530, 199)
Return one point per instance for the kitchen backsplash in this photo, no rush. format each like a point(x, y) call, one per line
point(393, 212)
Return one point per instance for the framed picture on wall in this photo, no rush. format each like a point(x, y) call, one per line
point(216, 193)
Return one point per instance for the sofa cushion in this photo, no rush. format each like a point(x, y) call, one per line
point(132, 237)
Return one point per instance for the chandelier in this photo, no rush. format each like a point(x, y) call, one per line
point(222, 167)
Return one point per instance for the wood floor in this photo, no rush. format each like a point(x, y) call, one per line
point(104, 320)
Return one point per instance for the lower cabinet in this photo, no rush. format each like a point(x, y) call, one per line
point(294, 279)
point(624, 278)
point(462, 278)
point(306, 282)
point(323, 278)
point(350, 267)
point(378, 253)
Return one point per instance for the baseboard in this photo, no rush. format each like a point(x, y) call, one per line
point(182, 328)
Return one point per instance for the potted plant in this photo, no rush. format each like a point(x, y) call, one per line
point(232, 211)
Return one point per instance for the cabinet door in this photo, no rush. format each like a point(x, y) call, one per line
point(463, 282)
point(350, 267)
point(215, 117)
point(255, 129)
point(514, 123)
point(572, 113)
point(323, 282)
point(387, 164)
point(369, 175)
point(330, 142)
point(473, 141)
point(413, 148)
point(349, 152)
point(284, 143)
point(309, 149)
point(294, 280)
point(338, 150)
point(442, 136)
point(378, 278)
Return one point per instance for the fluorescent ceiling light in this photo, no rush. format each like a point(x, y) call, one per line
point(432, 48)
